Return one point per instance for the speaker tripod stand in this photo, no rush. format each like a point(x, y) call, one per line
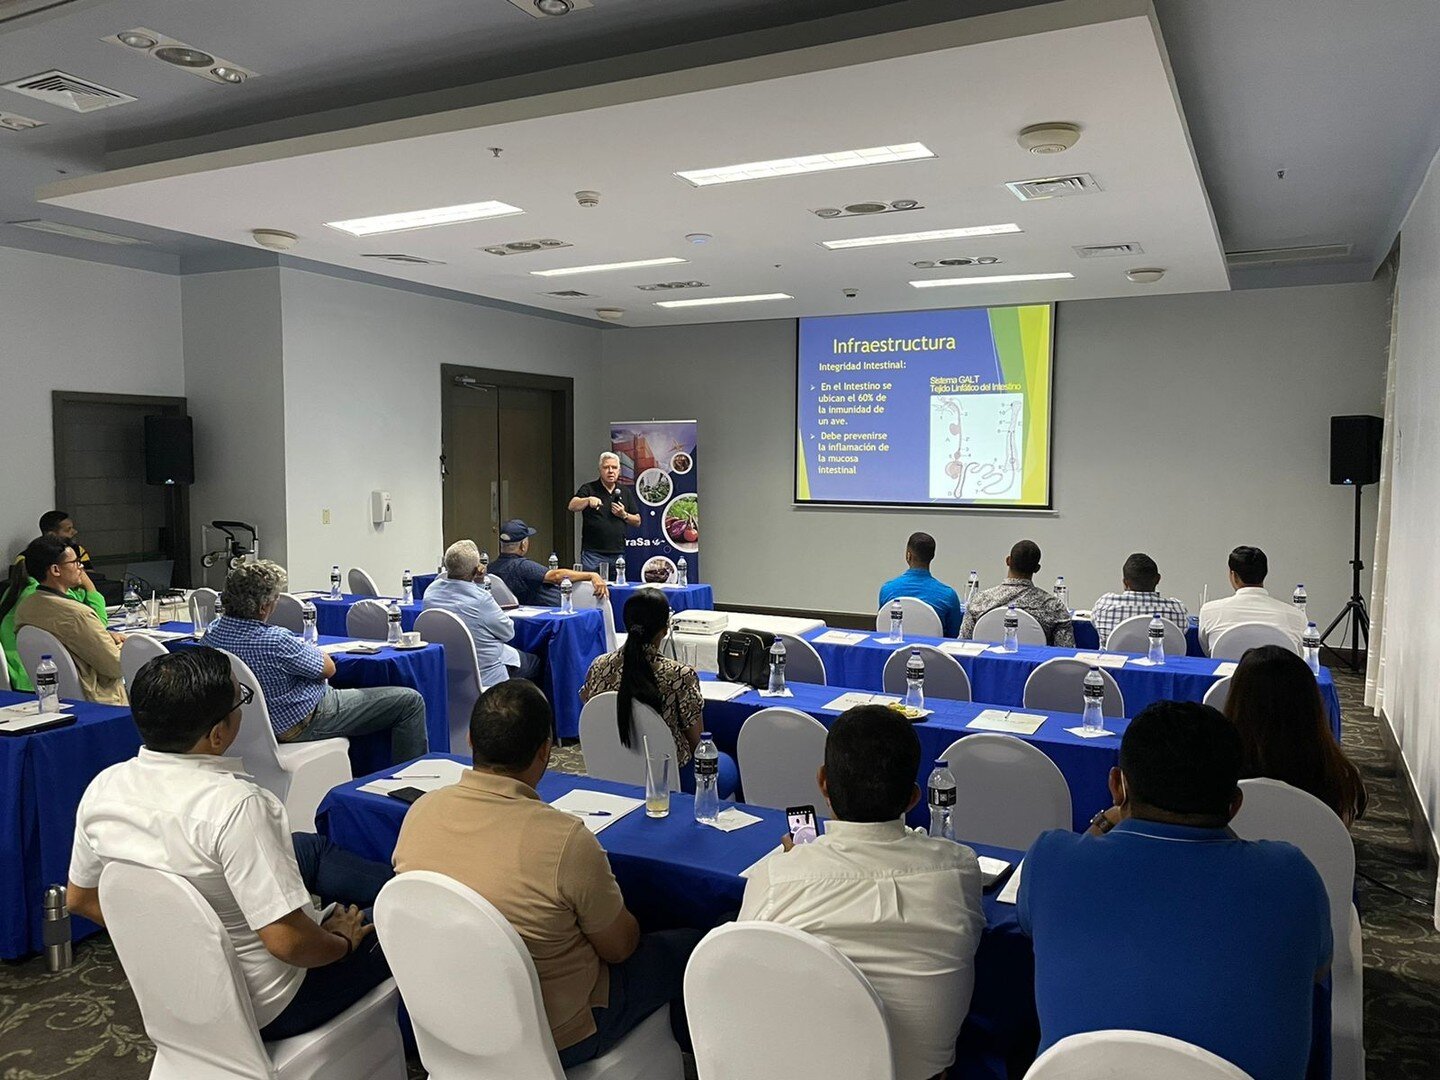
point(1354, 619)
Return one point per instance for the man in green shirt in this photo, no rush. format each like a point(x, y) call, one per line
point(21, 585)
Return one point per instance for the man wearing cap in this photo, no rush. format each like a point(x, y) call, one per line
point(606, 509)
point(532, 584)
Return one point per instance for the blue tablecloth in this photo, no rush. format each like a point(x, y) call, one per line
point(999, 678)
point(675, 872)
point(42, 777)
point(1085, 763)
point(566, 643)
point(691, 598)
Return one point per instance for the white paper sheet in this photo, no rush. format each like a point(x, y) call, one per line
point(311, 594)
point(886, 639)
point(1008, 721)
point(13, 723)
point(1081, 733)
point(853, 699)
point(427, 774)
point(991, 869)
point(598, 809)
point(161, 635)
point(732, 818)
point(526, 612)
point(1011, 892)
point(963, 648)
point(346, 646)
point(841, 637)
point(719, 690)
point(1228, 668)
point(1105, 660)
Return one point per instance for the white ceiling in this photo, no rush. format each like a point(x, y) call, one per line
point(963, 88)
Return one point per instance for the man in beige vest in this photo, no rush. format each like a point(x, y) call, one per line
point(96, 652)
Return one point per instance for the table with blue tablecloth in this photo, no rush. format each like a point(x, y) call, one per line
point(695, 597)
point(566, 643)
point(999, 678)
point(1085, 763)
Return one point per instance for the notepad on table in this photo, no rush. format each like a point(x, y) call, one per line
point(26, 717)
point(311, 594)
point(854, 699)
point(346, 646)
point(528, 612)
point(840, 637)
point(1008, 721)
point(427, 774)
point(1105, 660)
point(719, 690)
point(963, 648)
point(1011, 892)
point(1225, 670)
point(991, 869)
point(598, 809)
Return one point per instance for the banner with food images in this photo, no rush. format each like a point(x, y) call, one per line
point(658, 459)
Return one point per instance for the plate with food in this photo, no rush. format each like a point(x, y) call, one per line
point(681, 462)
point(654, 486)
point(910, 712)
point(658, 570)
point(682, 522)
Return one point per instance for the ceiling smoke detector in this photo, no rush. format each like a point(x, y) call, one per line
point(587, 198)
point(275, 239)
point(1145, 275)
point(1053, 138)
point(698, 238)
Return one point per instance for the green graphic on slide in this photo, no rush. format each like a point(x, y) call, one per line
point(1022, 342)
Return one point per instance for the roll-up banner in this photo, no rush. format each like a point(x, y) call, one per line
point(659, 459)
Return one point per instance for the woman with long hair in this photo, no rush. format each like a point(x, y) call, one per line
point(638, 673)
point(1275, 703)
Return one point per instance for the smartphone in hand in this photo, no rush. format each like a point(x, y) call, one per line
point(803, 829)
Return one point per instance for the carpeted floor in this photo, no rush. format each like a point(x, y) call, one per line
point(84, 1022)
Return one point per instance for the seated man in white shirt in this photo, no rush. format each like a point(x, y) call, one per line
point(902, 906)
point(183, 807)
point(461, 593)
point(1251, 603)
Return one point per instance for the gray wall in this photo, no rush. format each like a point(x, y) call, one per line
point(1184, 425)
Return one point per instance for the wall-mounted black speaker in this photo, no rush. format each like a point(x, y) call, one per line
point(1355, 449)
point(169, 450)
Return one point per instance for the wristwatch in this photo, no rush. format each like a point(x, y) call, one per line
point(1102, 823)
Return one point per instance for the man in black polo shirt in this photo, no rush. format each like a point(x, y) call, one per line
point(605, 510)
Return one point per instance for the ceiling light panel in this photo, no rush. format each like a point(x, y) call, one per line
point(991, 279)
point(596, 268)
point(177, 54)
point(712, 301)
point(425, 219)
point(810, 163)
point(921, 237)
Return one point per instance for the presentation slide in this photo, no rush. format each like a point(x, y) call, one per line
point(925, 408)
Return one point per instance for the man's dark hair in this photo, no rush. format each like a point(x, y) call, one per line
point(1249, 564)
point(510, 723)
point(1025, 557)
point(178, 697)
point(1140, 572)
point(51, 519)
point(43, 553)
point(1182, 757)
point(872, 756)
point(922, 546)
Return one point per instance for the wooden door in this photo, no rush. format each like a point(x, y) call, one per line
point(471, 434)
point(527, 488)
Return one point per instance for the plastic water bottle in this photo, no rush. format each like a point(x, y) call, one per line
point(335, 582)
point(132, 607)
point(308, 631)
point(707, 780)
point(1094, 715)
point(485, 583)
point(47, 684)
point(1061, 592)
point(1300, 600)
point(1012, 629)
point(407, 588)
point(392, 623)
point(1156, 633)
point(219, 609)
point(972, 588)
point(682, 569)
point(777, 668)
point(485, 561)
point(940, 793)
point(620, 578)
point(897, 621)
point(915, 681)
point(1311, 642)
point(554, 561)
point(567, 605)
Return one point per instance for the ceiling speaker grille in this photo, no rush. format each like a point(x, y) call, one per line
point(526, 247)
point(68, 92)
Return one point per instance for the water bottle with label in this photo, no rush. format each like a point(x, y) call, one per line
point(567, 603)
point(554, 561)
point(407, 588)
point(777, 668)
point(682, 571)
point(707, 780)
point(1299, 598)
point(620, 570)
point(1061, 592)
point(1156, 634)
point(1012, 629)
point(484, 562)
point(897, 621)
point(972, 588)
point(915, 680)
point(132, 606)
point(940, 793)
point(1311, 642)
point(308, 631)
point(1093, 718)
point(47, 684)
point(392, 623)
point(335, 583)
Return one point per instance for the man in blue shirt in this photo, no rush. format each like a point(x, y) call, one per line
point(532, 583)
point(292, 673)
point(1160, 919)
point(460, 593)
point(918, 582)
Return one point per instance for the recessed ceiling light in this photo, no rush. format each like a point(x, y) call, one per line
point(135, 39)
point(597, 267)
point(917, 237)
point(810, 163)
point(708, 301)
point(992, 279)
point(424, 219)
point(554, 7)
point(230, 75)
point(184, 56)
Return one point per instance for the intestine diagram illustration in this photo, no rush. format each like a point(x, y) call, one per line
point(975, 446)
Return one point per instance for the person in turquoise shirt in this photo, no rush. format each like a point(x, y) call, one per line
point(922, 585)
point(18, 588)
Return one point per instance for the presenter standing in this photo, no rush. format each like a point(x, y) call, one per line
point(606, 509)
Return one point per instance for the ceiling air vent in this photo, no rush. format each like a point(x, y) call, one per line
point(867, 209)
point(1287, 256)
point(412, 260)
point(67, 91)
point(1053, 187)
point(1102, 251)
point(525, 247)
point(673, 285)
point(75, 232)
point(570, 294)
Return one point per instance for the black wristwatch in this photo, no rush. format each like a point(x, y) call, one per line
point(1101, 822)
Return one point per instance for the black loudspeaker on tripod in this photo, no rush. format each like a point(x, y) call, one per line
point(1355, 443)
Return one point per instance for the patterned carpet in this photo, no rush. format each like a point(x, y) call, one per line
point(84, 1022)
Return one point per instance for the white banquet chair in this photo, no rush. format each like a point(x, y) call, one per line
point(779, 750)
point(921, 620)
point(1130, 1055)
point(803, 663)
point(607, 757)
point(138, 650)
point(33, 642)
point(361, 583)
point(991, 627)
point(944, 676)
point(1007, 792)
point(1133, 636)
point(367, 619)
point(288, 613)
point(462, 670)
point(1058, 685)
point(1234, 643)
point(1218, 694)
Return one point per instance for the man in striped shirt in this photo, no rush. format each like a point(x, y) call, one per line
point(1141, 577)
